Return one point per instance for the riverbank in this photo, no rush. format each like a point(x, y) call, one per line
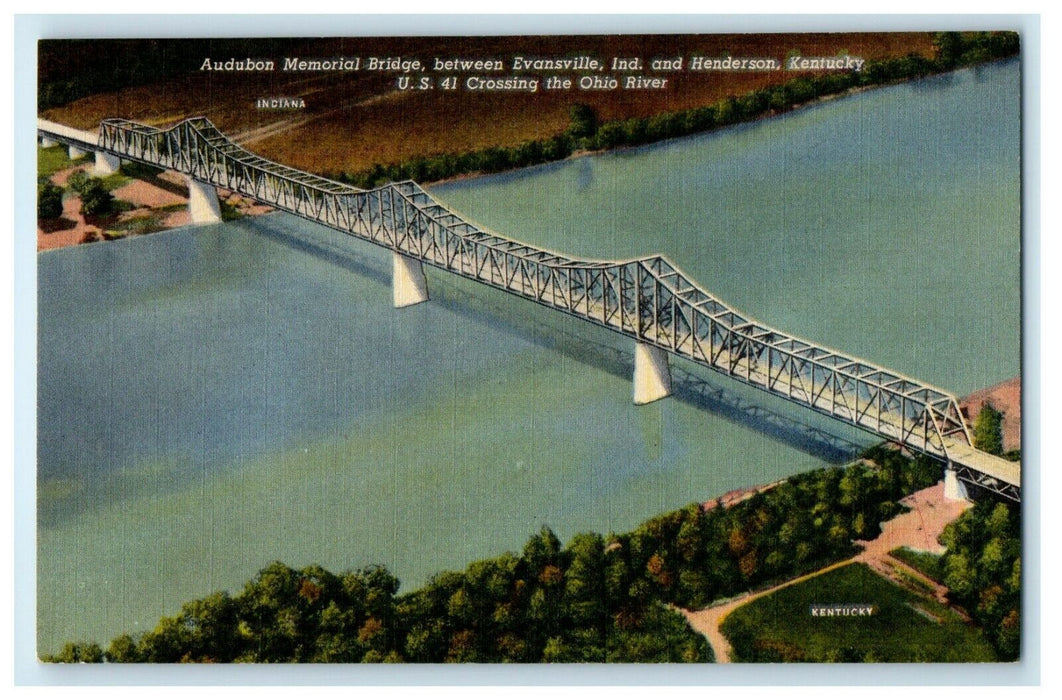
point(355, 119)
point(587, 132)
point(159, 202)
point(1004, 397)
point(146, 203)
point(590, 127)
point(919, 528)
point(732, 498)
point(599, 598)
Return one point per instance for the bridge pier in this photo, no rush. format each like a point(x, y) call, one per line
point(408, 284)
point(106, 164)
point(48, 143)
point(652, 373)
point(74, 152)
point(954, 489)
point(202, 202)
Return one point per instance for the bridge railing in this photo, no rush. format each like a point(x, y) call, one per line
point(648, 299)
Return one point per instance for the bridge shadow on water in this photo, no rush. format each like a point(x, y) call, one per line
point(709, 395)
point(331, 252)
point(690, 382)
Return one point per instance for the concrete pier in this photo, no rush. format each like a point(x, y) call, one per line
point(106, 164)
point(74, 152)
point(652, 373)
point(407, 281)
point(954, 490)
point(203, 202)
point(48, 143)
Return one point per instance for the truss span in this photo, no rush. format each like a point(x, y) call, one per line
point(649, 299)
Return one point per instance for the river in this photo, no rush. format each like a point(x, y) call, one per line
point(215, 398)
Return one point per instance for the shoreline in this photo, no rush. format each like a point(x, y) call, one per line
point(76, 229)
point(619, 147)
point(145, 205)
point(735, 496)
point(588, 152)
point(1005, 397)
point(81, 227)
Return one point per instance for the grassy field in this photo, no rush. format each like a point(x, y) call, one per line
point(923, 562)
point(51, 160)
point(906, 627)
point(353, 120)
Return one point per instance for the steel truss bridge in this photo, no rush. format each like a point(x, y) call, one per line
point(648, 299)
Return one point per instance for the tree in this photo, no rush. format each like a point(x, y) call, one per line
point(663, 126)
point(582, 121)
point(122, 650)
point(584, 584)
point(555, 651)
point(542, 549)
point(988, 430)
point(1009, 635)
point(611, 134)
point(77, 652)
point(78, 181)
point(96, 200)
point(982, 567)
point(49, 201)
point(949, 48)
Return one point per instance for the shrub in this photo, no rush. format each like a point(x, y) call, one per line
point(988, 430)
point(49, 201)
point(79, 181)
point(95, 199)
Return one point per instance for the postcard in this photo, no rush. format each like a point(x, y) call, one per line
point(603, 348)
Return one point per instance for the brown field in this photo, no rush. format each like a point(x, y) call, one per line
point(353, 120)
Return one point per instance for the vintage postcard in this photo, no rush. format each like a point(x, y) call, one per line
point(617, 348)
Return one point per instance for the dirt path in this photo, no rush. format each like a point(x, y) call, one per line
point(919, 529)
point(708, 621)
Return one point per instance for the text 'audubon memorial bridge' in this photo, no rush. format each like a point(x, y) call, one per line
point(648, 299)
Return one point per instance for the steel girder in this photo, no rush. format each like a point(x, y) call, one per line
point(68, 140)
point(648, 299)
point(987, 482)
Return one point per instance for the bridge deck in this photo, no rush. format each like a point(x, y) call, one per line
point(986, 470)
point(86, 140)
point(649, 299)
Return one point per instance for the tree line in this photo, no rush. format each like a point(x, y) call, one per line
point(953, 50)
point(982, 570)
point(598, 599)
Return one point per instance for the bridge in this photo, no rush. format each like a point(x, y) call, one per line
point(648, 299)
